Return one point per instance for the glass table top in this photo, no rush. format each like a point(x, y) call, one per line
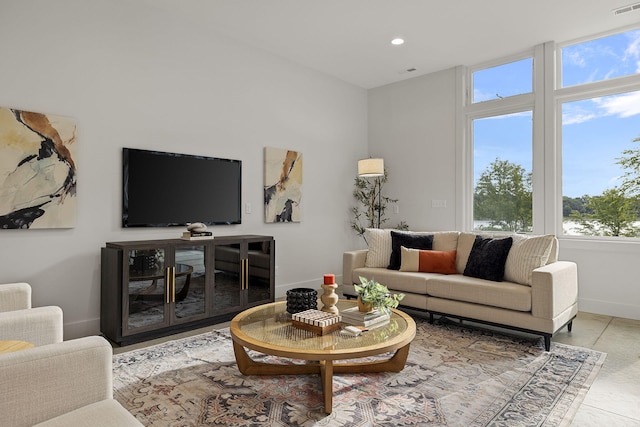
point(270, 324)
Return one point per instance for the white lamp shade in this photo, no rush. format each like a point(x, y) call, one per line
point(370, 167)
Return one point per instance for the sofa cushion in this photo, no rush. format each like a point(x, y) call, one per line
point(507, 295)
point(527, 253)
point(488, 257)
point(412, 282)
point(106, 413)
point(443, 262)
point(407, 240)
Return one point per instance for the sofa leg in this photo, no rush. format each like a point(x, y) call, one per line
point(570, 326)
point(547, 342)
point(431, 318)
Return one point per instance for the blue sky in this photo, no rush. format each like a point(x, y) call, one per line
point(594, 131)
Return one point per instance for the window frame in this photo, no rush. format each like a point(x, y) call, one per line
point(581, 92)
point(545, 102)
point(496, 107)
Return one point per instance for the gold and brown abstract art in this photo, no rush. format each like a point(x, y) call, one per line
point(282, 185)
point(37, 170)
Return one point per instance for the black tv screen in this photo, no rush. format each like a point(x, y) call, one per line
point(166, 189)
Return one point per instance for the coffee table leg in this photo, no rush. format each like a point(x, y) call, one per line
point(248, 366)
point(325, 368)
point(394, 364)
point(326, 374)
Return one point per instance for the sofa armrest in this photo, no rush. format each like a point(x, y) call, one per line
point(554, 288)
point(15, 296)
point(39, 326)
point(350, 261)
point(44, 382)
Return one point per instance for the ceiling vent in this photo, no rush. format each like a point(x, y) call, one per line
point(625, 9)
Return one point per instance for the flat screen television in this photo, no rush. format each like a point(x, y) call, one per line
point(169, 189)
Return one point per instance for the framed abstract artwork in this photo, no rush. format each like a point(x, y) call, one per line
point(282, 185)
point(37, 170)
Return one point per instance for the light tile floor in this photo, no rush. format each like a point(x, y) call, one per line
point(614, 398)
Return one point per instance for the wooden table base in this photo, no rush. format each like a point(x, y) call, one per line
point(326, 369)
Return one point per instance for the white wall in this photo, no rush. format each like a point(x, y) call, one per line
point(134, 76)
point(412, 125)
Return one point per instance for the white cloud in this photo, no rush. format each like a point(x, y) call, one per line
point(577, 118)
point(575, 57)
point(633, 50)
point(624, 106)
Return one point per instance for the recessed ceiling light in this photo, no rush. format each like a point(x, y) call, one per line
point(397, 41)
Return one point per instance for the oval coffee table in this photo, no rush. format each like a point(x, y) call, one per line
point(267, 329)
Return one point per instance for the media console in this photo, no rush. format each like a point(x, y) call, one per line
point(153, 288)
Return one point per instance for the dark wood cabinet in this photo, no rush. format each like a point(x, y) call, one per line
point(153, 288)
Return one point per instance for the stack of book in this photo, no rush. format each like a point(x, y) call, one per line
point(316, 321)
point(353, 316)
point(197, 235)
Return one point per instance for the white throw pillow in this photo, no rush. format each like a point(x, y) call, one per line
point(527, 254)
point(379, 241)
point(445, 240)
point(465, 244)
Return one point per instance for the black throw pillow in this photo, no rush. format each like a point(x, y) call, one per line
point(410, 241)
point(487, 258)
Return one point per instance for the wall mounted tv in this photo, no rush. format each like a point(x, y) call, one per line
point(169, 189)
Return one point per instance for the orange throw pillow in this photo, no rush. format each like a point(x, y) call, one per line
point(426, 261)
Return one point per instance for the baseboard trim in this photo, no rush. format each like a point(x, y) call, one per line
point(83, 328)
point(606, 308)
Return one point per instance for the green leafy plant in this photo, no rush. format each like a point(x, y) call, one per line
point(377, 295)
point(371, 209)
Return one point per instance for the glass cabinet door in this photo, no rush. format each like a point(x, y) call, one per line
point(189, 285)
point(259, 272)
point(145, 288)
point(228, 277)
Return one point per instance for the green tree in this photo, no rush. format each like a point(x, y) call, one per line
point(631, 162)
point(503, 196)
point(614, 214)
point(571, 204)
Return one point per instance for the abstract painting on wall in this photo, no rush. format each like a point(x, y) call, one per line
point(37, 170)
point(282, 185)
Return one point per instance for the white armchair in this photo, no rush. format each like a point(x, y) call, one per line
point(19, 321)
point(63, 384)
point(55, 383)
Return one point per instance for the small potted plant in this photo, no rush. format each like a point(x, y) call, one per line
point(373, 295)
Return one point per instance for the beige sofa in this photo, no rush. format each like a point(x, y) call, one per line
point(55, 383)
point(538, 293)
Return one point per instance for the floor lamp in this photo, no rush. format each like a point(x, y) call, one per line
point(373, 168)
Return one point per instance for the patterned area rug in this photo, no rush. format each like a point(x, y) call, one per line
point(455, 376)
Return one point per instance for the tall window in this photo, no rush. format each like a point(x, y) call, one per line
point(600, 134)
point(502, 199)
point(500, 118)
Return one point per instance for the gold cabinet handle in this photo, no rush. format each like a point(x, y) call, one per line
point(246, 274)
point(170, 285)
point(167, 285)
point(173, 284)
point(242, 278)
